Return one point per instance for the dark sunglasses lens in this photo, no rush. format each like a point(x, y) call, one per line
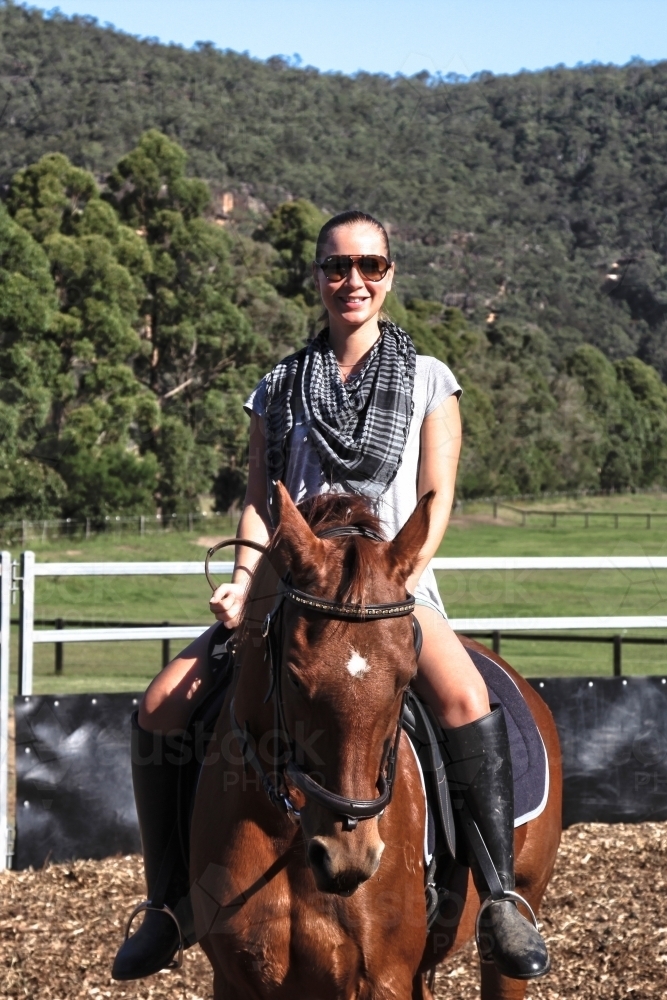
point(336, 268)
point(373, 268)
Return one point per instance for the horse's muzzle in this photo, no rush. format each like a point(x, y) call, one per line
point(338, 870)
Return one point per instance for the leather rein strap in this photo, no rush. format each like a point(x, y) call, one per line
point(350, 810)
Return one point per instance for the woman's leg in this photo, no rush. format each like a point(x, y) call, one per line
point(447, 679)
point(451, 685)
point(171, 696)
point(162, 779)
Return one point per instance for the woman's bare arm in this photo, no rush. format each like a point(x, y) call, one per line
point(227, 601)
point(440, 446)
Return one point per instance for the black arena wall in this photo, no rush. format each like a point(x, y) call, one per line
point(73, 781)
point(613, 735)
point(74, 787)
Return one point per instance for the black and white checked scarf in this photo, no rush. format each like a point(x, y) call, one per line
point(359, 429)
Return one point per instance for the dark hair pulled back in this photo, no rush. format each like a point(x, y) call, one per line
point(350, 218)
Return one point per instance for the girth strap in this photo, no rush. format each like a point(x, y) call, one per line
point(425, 734)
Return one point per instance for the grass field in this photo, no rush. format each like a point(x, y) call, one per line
point(183, 600)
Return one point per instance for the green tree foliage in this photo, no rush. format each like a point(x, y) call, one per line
point(629, 403)
point(95, 400)
point(293, 230)
point(532, 427)
point(212, 323)
point(133, 325)
point(28, 487)
point(538, 197)
point(192, 331)
point(136, 327)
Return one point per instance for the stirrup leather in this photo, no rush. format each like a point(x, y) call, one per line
point(177, 960)
point(510, 895)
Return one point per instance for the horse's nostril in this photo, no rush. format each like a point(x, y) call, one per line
point(318, 856)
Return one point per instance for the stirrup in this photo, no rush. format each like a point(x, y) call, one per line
point(489, 901)
point(177, 960)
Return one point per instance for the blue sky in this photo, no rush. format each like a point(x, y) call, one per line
point(403, 36)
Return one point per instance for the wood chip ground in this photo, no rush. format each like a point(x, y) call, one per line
point(605, 918)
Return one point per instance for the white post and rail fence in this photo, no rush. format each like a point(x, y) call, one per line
point(23, 575)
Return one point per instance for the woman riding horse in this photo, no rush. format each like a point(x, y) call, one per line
point(355, 411)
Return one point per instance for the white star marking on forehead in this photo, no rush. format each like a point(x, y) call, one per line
point(357, 666)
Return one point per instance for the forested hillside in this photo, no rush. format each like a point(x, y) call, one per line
point(133, 324)
point(541, 196)
point(527, 215)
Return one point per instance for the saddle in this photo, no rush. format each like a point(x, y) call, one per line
point(529, 766)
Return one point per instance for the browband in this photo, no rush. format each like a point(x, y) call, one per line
point(351, 612)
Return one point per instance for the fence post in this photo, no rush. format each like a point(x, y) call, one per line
point(142, 525)
point(5, 613)
point(616, 520)
point(165, 649)
point(87, 528)
point(554, 521)
point(495, 509)
point(59, 649)
point(26, 621)
point(496, 642)
point(618, 653)
point(585, 520)
point(648, 520)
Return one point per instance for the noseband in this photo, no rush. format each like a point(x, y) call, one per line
point(350, 810)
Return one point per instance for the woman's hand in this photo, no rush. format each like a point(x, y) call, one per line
point(227, 603)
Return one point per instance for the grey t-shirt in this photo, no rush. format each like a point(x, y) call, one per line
point(304, 476)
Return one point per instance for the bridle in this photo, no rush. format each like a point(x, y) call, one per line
point(348, 809)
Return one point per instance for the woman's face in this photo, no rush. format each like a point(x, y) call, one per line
point(353, 301)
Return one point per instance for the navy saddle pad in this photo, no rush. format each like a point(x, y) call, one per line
point(529, 757)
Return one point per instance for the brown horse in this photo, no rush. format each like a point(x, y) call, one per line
point(293, 902)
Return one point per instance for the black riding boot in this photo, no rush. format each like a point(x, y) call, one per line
point(480, 776)
point(162, 772)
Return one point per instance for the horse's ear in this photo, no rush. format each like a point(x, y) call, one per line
point(303, 552)
point(405, 548)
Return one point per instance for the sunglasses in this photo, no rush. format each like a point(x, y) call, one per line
point(372, 267)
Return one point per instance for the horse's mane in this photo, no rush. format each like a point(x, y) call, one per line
point(328, 510)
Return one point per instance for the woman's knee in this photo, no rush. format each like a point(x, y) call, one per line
point(160, 709)
point(151, 706)
point(170, 698)
point(466, 706)
point(450, 680)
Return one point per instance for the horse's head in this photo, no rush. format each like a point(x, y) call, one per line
point(342, 682)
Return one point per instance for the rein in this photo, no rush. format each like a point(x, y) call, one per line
point(349, 809)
